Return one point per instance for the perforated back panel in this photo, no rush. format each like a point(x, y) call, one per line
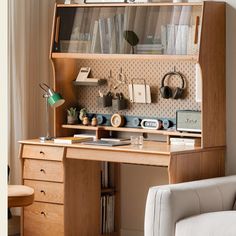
point(150, 70)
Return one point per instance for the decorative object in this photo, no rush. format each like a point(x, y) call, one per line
point(54, 100)
point(117, 120)
point(94, 121)
point(151, 124)
point(85, 120)
point(82, 113)
point(132, 38)
point(72, 116)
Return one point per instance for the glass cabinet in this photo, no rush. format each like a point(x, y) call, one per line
point(128, 29)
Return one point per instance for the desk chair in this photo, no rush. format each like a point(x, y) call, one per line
point(20, 196)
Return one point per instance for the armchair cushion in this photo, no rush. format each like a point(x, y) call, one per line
point(214, 223)
point(167, 205)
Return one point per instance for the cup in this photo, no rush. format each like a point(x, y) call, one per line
point(136, 141)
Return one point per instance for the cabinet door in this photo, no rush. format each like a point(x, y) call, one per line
point(129, 29)
point(43, 219)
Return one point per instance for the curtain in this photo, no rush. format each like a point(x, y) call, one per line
point(30, 25)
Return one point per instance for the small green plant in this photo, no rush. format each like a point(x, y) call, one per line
point(72, 112)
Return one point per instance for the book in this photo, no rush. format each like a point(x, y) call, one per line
point(95, 44)
point(103, 32)
point(115, 139)
point(71, 140)
point(111, 35)
point(186, 141)
point(106, 143)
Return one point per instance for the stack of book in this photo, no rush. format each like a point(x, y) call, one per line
point(107, 36)
point(150, 49)
point(107, 214)
point(186, 141)
point(71, 140)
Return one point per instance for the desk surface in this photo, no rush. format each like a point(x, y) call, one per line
point(151, 153)
point(149, 147)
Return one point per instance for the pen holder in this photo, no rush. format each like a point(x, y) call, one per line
point(119, 104)
point(105, 101)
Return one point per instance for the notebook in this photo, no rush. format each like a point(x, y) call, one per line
point(106, 143)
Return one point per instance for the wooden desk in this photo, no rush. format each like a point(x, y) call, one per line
point(66, 179)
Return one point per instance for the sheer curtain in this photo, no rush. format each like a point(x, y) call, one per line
point(30, 30)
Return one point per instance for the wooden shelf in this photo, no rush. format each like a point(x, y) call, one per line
point(131, 4)
point(107, 190)
point(92, 56)
point(134, 130)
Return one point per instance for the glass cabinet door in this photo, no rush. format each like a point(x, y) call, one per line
point(168, 30)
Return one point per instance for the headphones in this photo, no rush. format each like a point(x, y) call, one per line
point(167, 92)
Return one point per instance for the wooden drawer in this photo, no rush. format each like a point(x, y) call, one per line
point(43, 170)
point(44, 219)
point(43, 152)
point(47, 191)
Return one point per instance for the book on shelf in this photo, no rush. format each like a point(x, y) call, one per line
point(95, 44)
point(107, 211)
point(71, 140)
point(186, 141)
point(119, 28)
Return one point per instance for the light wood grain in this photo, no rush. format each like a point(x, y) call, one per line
point(99, 130)
point(47, 191)
point(60, 55)
point(43, 152)
point(132, 5)
point(212, 163)
point(82, 198)
point(43, 219)
point(43, 170)
point(184, 167)
point(212, 61)
point(118, 156)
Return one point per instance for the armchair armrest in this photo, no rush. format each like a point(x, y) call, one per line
point(168, 204)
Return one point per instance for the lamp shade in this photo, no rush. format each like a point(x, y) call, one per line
point(55, 100)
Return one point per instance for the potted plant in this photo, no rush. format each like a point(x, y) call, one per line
point(72, 116)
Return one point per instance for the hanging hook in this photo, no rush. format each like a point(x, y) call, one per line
point(44, 87)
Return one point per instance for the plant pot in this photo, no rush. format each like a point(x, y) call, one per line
point(71, 120)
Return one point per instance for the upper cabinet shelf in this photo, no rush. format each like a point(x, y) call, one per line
point(128, 29)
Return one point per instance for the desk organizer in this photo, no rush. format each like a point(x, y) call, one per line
point(105, 101)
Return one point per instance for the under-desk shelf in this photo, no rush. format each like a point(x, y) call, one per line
point(63, 55)
point(133, 130)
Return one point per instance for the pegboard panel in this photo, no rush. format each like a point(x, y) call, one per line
point(150, 70)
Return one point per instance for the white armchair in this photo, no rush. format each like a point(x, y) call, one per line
point(199, 208)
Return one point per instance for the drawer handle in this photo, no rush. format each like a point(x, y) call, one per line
point(42, 191)
point(42, 170)
point(43, 213)
point(41, 152)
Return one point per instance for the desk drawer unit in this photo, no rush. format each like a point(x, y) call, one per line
point(43, 152)
point(43, 170)
point(47, 191)
point(44, 219)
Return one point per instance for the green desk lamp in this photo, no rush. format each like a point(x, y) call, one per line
point(54, 100)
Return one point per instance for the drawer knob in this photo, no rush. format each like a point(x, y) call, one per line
point(41, 152)
point(42, 191)
point(42, 170)
point(43, 213)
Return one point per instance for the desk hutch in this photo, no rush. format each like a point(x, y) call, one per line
point(66, 178)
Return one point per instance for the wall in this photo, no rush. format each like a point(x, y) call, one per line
point(231, 86)
point(4, 99)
